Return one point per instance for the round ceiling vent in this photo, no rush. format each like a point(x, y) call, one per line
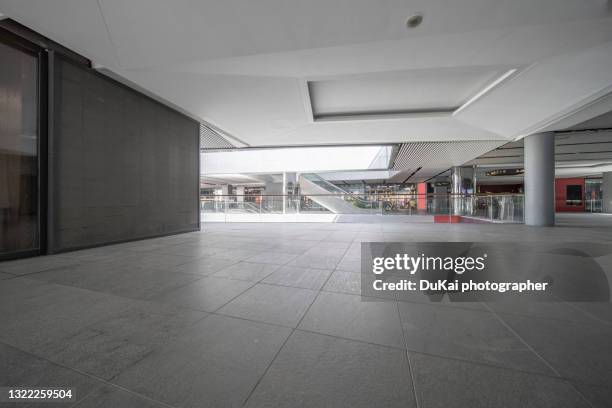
point(414, 20)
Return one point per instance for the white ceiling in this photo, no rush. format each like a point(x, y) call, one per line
point(243, 65)
point(577, 154)
point(419, 90)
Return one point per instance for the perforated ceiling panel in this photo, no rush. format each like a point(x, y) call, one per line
point(423, 160)
point(211, 140)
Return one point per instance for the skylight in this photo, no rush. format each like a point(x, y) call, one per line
point(296, 159)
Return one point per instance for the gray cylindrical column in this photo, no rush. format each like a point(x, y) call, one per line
point(540, 179)
point(457, 190)
point(606, 187)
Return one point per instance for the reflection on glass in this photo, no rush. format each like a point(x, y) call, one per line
point(18, 151)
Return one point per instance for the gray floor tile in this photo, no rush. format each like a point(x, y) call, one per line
point(155, 261)
point(293, 247)
point(249, 271)
point(101, 332)
point(234, 254)
point(349, 317)
point(320, 371)
point(306, 278)
point(350, 264)
point(36, 264)
point(350, 282)
point(207, 294)
point(33, 314)
point(101, 254)
point(442, 383)
point(271, 304)
point(598, 396)
point(331, 248)
point(344, 282)
point(136, 283)
point(439, 299)
point(465, 334)
point(316, 260)
point(277, 258)
point(204, 266)
point(545, 310)
point(580, 351)
point(21, 369)
point(107, 347)
point(341, 236)
point(598, 310)
point(108, 396)
point(215, 364)
point(193, 251)
point(313, 235)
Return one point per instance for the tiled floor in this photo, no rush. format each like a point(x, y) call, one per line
point(269, 315)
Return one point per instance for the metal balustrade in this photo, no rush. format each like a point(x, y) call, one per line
point(507, 208)
point(593, 205)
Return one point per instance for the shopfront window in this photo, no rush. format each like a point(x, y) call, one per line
point(19, 212)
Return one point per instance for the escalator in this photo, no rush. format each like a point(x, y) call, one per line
point(332, 197)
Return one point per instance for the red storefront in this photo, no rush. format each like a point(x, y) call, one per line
point(569, 194)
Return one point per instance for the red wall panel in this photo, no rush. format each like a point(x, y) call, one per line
point(421, 196)
point(561, 204)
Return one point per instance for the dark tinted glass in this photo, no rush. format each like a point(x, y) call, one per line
point(574, 193)
point(18, 151)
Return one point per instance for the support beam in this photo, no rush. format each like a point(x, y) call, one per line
point(540, 179)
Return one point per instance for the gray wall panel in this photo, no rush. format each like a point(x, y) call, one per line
point(125, 166)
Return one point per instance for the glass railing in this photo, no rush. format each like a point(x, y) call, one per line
point(592, 205)
point(501, 208)
point(491, 208)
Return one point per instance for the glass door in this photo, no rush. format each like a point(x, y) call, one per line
point(19, 151)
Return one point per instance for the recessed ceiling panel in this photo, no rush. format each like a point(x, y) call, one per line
point(603, 121)
point(414, 92)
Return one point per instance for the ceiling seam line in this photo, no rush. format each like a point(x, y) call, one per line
point(108, 33)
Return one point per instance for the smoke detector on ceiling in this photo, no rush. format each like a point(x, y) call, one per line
point(414, 20)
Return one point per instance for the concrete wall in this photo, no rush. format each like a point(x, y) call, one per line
point(123, 166)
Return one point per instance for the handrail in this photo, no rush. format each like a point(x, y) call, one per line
point(489, 207)
point(371, 194)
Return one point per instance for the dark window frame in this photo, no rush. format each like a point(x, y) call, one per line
point(12, 40)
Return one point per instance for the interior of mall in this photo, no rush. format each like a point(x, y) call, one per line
point(193, 195)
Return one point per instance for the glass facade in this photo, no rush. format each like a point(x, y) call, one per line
point(19, 167)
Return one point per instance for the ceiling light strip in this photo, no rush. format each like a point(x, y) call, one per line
point(485, 90)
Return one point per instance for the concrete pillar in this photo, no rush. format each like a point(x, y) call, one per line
point(540, 179)
point(457, 190)
point(606, 187)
